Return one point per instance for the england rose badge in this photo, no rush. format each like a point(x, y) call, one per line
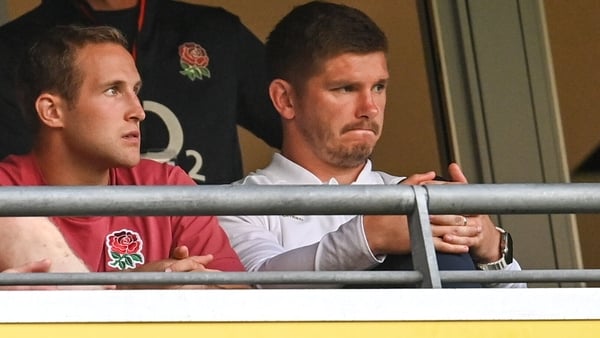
point(124, 248)
point(194, 61)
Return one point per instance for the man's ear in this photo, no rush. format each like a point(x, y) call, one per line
point(282, 96)
point(49, 109)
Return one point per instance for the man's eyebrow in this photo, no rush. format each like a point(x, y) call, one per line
point(120, 83)
point(112, 83)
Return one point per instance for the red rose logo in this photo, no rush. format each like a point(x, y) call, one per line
point(194, 61)
point(124, 242)
point(124, 248)
point(193, 54)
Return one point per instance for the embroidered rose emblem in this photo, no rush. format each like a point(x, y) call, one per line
point(193, 61)
point(124, 248)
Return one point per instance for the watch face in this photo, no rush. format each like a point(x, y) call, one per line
point(508, 249)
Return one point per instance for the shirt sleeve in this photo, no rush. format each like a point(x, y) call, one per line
point(202, 234)
point(514, 266)
point(261, 250)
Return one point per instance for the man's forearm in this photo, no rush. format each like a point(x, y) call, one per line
point(28, 239)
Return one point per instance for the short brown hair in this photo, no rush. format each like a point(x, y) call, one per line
point(313, 33)
point(49, 65)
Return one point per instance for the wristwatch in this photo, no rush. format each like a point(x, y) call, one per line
point(506, 252)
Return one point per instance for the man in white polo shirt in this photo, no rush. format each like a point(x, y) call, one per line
point(329, 73)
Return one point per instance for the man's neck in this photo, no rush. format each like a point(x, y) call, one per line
point(64, 170)
point(342, 176)
point(325, 171)
point(111, 5)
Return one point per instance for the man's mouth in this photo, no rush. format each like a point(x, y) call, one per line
point(132, 135)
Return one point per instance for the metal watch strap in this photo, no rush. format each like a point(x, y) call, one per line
point(497, 265)
point(500, 264)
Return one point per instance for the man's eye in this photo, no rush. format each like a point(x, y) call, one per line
point(344, 89)
point(379, 88)
point(112, 91)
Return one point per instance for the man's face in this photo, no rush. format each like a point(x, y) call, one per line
point(102, 125)
point(339, 113)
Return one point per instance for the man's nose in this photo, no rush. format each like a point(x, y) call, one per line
point(370, 105)
point(137, 110)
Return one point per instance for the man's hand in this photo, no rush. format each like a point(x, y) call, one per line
point(44, 266)
point(417, 179)
point(389, 234)
point(180, 261)
point(476, 234)
point(38, 266)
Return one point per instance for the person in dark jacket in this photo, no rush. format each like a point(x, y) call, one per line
point(203, 71)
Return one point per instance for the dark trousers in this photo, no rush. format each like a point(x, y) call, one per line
point(445, 262)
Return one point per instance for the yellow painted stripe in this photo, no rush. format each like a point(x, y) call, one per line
point(463, 329)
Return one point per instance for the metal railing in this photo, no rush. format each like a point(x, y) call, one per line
point(418, 202)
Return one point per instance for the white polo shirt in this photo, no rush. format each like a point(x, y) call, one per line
point(300, 242)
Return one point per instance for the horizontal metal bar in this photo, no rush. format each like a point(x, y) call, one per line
point(297, 199)
point(205, 200)
point(527, 276)
point(296, 277)
point(559, 198)
point(190, 278)
point(353, 199)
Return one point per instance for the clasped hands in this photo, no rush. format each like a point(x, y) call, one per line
point(473, 234)
point(180, 261)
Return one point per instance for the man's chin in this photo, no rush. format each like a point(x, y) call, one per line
point(353, 157)
point(129, 163)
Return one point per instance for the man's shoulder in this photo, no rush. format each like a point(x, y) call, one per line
point(179, 10)
point(15, 33)
point(388, 178)
point(198, 19)
point(20, 31)
point(148, 165)
point(150, 172)
point(19, 170)
point(259, 177)
point(33, 18)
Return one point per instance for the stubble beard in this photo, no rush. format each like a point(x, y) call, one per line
point(341, 155)
point(333, 151)
point(350, 157)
